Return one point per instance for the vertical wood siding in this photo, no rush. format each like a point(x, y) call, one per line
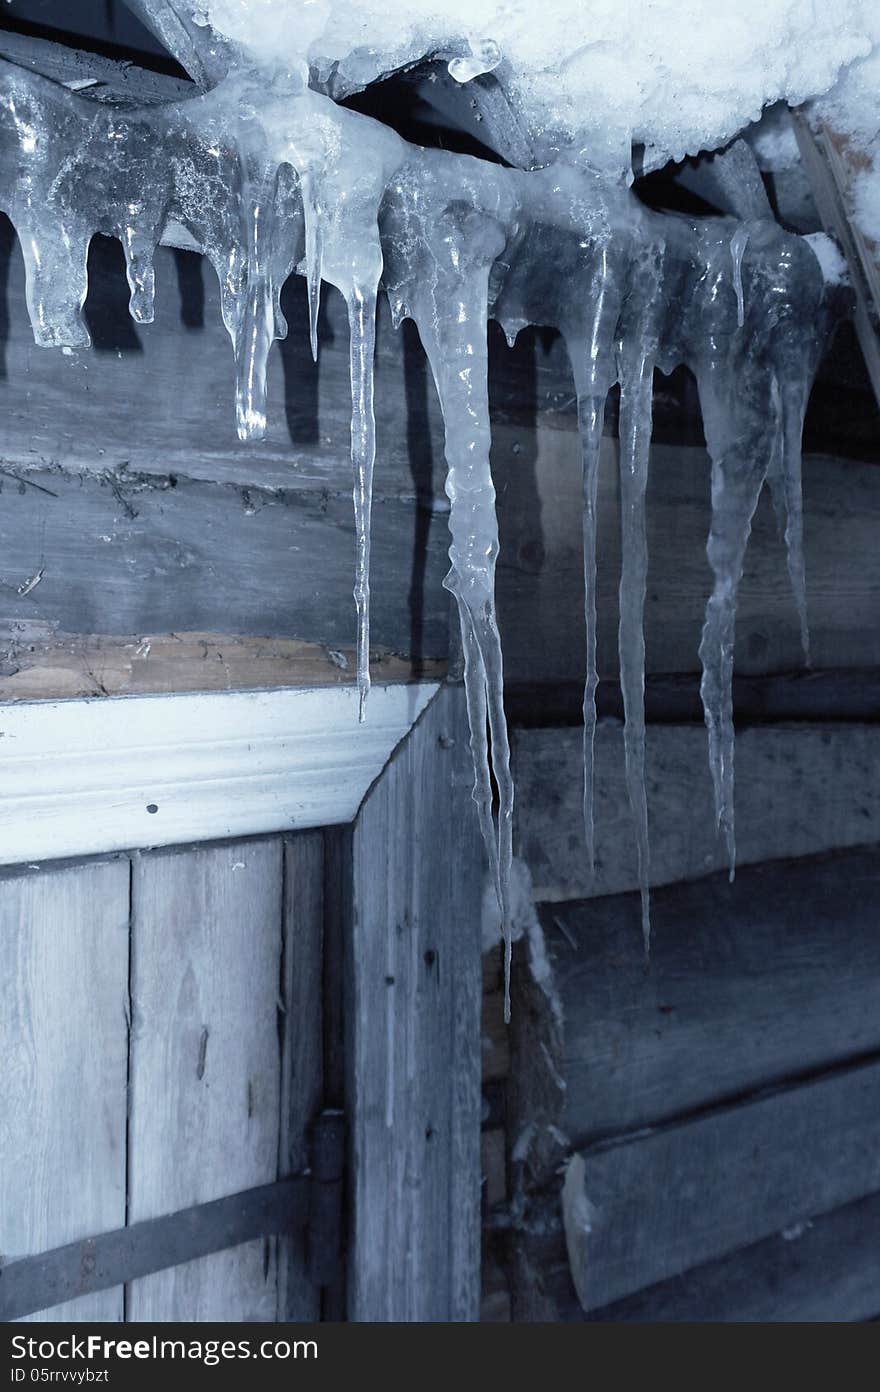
point(213, 954)
point(64, 1051)
point(205, 1067)
point(302, 1063)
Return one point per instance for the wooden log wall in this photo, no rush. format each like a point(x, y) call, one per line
point(800, 789)
point(154, 1011)
point(716, 1112)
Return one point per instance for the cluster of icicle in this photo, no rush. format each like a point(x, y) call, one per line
point(268, 177)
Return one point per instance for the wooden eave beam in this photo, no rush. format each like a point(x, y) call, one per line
point(824, 156)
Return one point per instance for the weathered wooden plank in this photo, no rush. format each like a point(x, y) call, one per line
point(663, 1202)
point(111, 544)
point(338, 910)
point(750, 983)
point(89, 398)
point(800, 790)
point(413, 1022)
point(302, 1065)
point(830, 162)
point(540, 584)
point(109, 79)
point(36, 664)
point(825, 1270)
point(205, 1066)
point(64, 1044)
point(289, 499)
point(126, 554)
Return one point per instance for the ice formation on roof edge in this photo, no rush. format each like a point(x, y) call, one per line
point(678, 76)
point(268, 176)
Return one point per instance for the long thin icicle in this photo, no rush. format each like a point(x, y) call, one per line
point(256, 324)
point(313, 261)
point(636, 381)
point(590, 355)
point(788, 495)
point(455, 340)
point(362, 331)
point(738, 244)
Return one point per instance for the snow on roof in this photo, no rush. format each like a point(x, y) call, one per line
point(677, 75)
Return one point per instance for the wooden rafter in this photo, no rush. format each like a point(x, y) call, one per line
point(830, 163)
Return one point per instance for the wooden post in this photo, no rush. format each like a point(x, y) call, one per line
point(413, 1031)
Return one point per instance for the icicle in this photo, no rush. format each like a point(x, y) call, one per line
point(344, 162)
point(636, 381)
point(566, 269)
point(457, 350)
point(591, 419)
point(139, 272)
point(747, 381)
point(735, 412)
point(737, 247)
point(41, 127)
point(793, 403)
point(245, 211)
point(784, 479)
point(362, 331)
point(313, 262)
point(803, 328)
point(644, 314)
point(440, 246)
point(255, 329)
point(590, 355)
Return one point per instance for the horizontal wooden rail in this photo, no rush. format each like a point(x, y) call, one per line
point(99, 1263)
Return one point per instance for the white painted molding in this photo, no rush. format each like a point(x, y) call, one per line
point(78, 777)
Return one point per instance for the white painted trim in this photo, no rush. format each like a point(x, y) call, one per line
point(77, 776)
